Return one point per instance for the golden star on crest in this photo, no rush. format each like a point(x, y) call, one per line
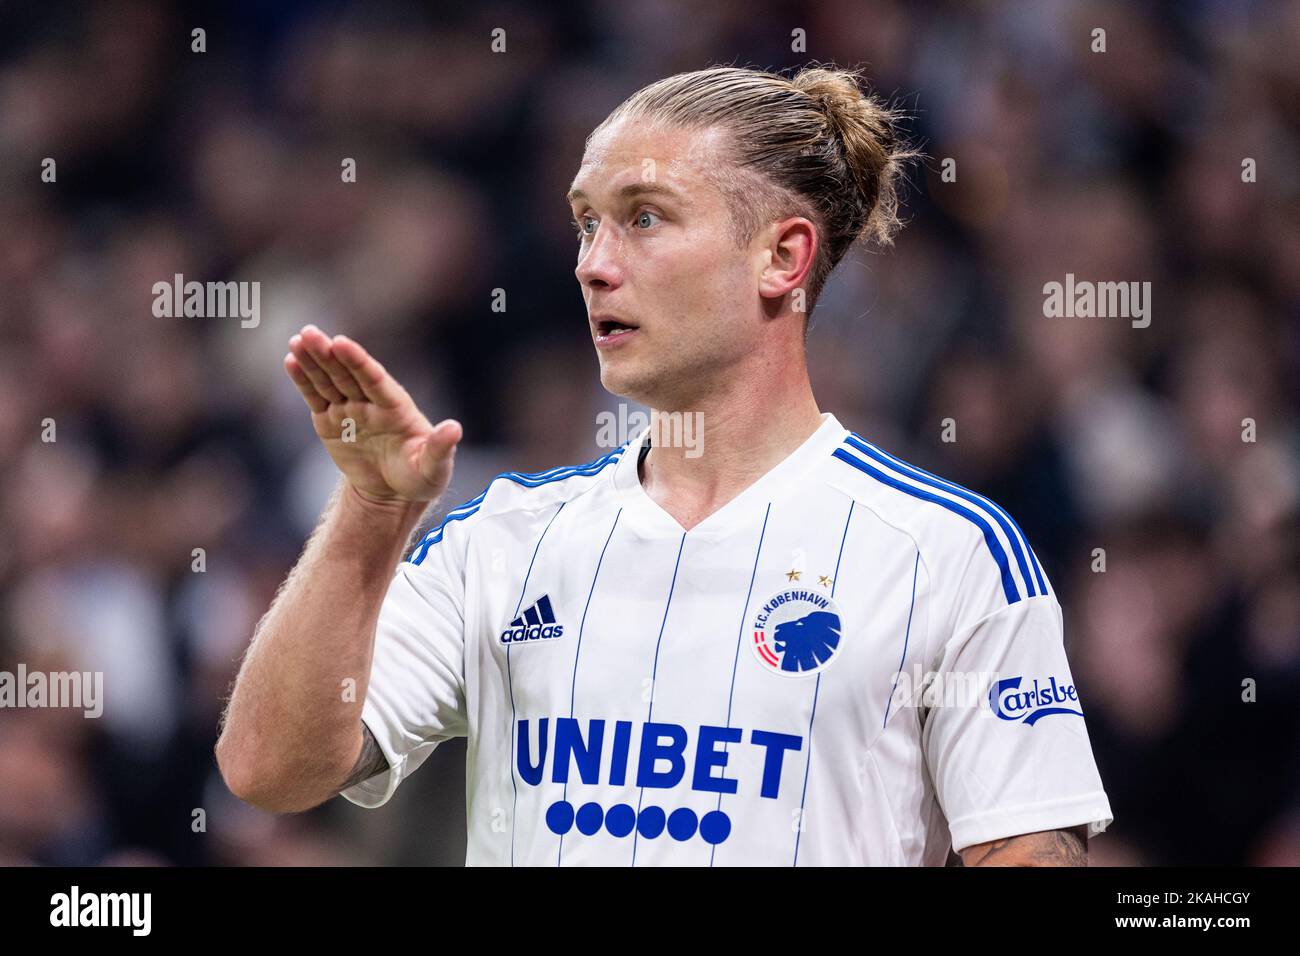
point(793, 575)
point(824, 581)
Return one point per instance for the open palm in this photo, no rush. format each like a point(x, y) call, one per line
point(368, 423)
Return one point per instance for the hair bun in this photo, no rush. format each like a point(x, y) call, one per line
point(868, 132)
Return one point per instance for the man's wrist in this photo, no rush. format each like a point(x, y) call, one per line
point(398, 514)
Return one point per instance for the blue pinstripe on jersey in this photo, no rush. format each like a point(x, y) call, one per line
point(916, 565)
point(740, 636)
point(573, 686)
point(510, 681)
point(654, 673)
point(803, 797)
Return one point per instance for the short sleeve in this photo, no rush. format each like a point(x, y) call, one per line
point(1005, 743)
point(416, 696)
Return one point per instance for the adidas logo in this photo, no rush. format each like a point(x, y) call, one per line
point(537, 623)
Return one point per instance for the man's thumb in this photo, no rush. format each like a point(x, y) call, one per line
point(440, 448)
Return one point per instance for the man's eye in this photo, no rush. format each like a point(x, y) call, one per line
point(643, 215)
point(578, 227)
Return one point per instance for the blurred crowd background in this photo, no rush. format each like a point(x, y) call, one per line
point(179, 433)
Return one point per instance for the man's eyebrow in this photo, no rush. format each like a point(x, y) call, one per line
point(633, 189)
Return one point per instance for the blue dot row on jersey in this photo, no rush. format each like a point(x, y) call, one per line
point(681, 824)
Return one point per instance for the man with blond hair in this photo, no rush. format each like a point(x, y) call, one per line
point(660, 656)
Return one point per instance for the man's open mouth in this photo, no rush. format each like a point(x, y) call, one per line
point(611, 327)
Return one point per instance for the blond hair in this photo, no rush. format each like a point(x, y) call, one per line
point(816, 144)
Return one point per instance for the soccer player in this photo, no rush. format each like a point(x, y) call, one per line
point(773, 644)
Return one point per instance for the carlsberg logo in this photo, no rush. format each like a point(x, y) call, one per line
point(1032, 703)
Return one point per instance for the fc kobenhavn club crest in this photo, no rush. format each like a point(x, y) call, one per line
point(796, 632)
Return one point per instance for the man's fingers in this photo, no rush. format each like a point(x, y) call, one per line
point(315, 374)
point(376, 384)
point(322, 350)
point(314, 399)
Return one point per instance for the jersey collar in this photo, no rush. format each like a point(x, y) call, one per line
point(792, 474)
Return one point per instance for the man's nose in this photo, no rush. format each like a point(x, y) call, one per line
point(598, 264)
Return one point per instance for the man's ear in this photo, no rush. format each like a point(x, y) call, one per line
point(791, 249)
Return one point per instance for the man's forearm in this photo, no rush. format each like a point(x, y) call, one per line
point(291, 731)
point(1045, 848)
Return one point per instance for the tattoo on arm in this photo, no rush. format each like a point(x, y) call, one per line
point(370, 762)
point(1048, 848)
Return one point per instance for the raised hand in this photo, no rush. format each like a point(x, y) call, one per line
point(390, 453)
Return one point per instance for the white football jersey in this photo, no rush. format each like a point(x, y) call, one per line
point(851, 662)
